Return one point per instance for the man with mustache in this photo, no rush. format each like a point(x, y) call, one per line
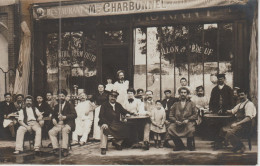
point(182, 117)
point(221, 96)
point(110, 114)
point(28, 119)
point(121, 87)
point(63, 119)
point(244, 112)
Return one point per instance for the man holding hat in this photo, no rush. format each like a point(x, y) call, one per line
point(63, 119)
point(221, 96)
point(28, 119)
point(110, 114)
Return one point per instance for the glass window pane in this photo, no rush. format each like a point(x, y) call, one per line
point(113, 37)
point(196, 56)
point(181, 62)
point(166, 42)
point(226, 52)
point(52, 62)
point(140, 58)
point(210, 57)
point(153, 62)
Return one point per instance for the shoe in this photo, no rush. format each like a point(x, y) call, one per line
point(56, 152)
point(239, 149)
point(17, 152)
point(166, 144)
point(103, 151)
point(64, 152)
point(177, 148)
point(50, 145)
point(146, 145)
point(81, 143)
point(74, 143)
point(118, 147)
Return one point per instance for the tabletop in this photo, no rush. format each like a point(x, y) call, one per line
point(217, 116)
point(137, 117)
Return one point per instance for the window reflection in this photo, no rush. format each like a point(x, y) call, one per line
point(114, 37)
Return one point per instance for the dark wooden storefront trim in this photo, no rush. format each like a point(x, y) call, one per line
point(235, 15)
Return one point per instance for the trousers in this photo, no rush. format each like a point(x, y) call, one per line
point(65, 130)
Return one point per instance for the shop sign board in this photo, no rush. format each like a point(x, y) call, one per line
point(125, 7)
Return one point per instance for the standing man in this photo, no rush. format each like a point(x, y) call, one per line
point(63, 119)
point(149, 105)
point(121, 86)
point(6, 109)
point(244, 112)
point(167, 104)
point(28, 119)
point(110, 123)
point(221, 96)
point(50, 100)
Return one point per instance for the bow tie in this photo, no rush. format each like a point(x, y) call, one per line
point(130, 100)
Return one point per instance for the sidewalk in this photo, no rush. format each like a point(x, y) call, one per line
point(90, 154)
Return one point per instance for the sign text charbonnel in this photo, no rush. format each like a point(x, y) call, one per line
point(126, 7)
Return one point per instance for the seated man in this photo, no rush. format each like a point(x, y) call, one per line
point(244, 112)
point(7, 108)
point(140, 94)
point(28, 119)
point(84, 119)
point(109, 120)
point(182, 116)
point(63, 119)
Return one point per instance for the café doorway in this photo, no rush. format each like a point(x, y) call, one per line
point(114, 59)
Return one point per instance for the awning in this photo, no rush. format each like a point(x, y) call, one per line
point(125, 7)
point(7, 2)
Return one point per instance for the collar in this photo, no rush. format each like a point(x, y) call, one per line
point(221, 86)
point(112, 104)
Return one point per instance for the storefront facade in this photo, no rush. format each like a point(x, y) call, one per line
point(155, 42)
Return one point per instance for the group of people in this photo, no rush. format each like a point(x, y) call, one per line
point(109, 109)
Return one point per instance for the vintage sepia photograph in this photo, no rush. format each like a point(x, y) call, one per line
point(129, 82)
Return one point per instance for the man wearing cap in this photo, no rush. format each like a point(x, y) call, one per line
point(63, 119)
point(221, 96)
point(167, 104)
point(121, 87)
point(28, 119)
point(110, 113)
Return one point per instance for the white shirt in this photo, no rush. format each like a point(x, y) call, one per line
point(83, 108)
point(220, 86)
point(30, 115)
point(113, 105)
point(109, 87)
point(135, 107)
point(250, 109)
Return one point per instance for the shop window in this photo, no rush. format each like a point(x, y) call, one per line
point(77, 60)
point(196, 52)
point(140, 58)
point(115, 37)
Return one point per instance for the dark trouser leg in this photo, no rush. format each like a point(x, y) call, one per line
point(11, 128)
point(178, 142)
point(234, 140)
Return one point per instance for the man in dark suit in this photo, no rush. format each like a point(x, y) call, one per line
point(110, 115)
point(63, 119)
point(221, 96)
point(167, 104)
point(7, 108)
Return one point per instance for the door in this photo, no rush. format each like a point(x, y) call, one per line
point(114, 59)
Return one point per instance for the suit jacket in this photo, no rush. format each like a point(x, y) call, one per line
point(100, 99)
point(169, 104)
point(227, 96)
point(69, 112)
point(6, 109)
point(44, 107)
point(107, 115)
